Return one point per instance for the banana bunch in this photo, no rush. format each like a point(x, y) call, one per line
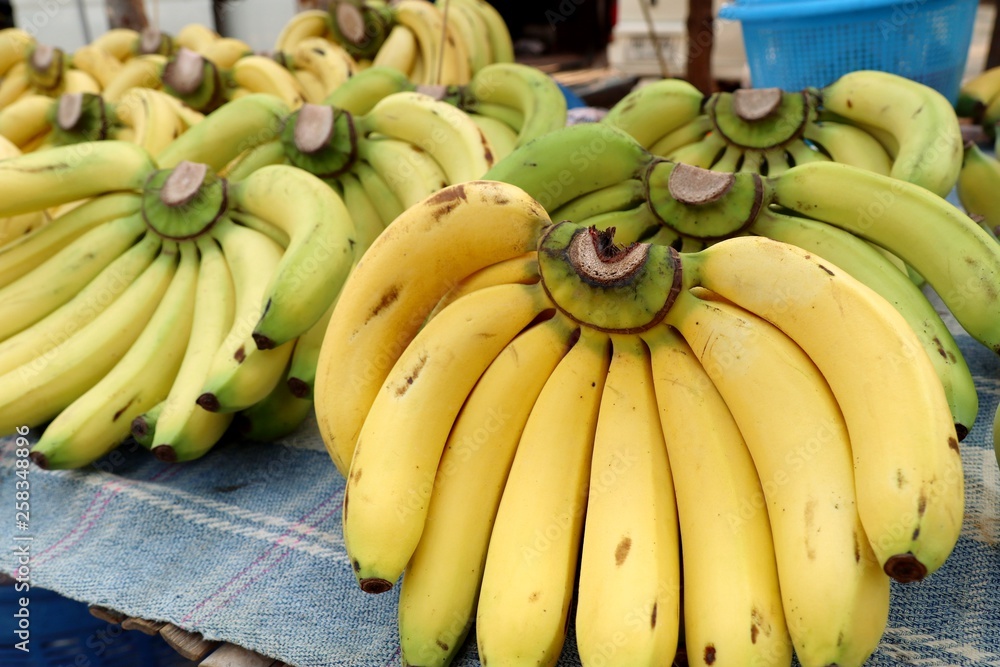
point(874, 120)
point(444, 42)
point(512, 400)
point(143, 116)
point(861, 221)
point(407, 147)
point(510, 102)
point(162, 296)
point(979, 100)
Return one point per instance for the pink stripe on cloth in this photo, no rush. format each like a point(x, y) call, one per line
point(266, 554)
point(111, 484)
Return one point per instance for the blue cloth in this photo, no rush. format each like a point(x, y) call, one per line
point(245, 545)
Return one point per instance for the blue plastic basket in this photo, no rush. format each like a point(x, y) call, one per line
point(794, 44)
point(63, 633)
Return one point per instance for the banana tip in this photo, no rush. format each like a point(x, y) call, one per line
point(39, 460)
point(263, 342)
point(905, 568)
point(209, 402)
point(961, 430)
point(375, 585)
point(298, 387)
point(165, 453)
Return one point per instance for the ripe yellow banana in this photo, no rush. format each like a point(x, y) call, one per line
point(903, 423)
point(151, 116)
point(98, 63)
point(225, 51)
point(403, 441)
point(145, 71)
point(26, 119)
point(850, 145)
point(14, 44)
point(304, 24)
point(383, 303)
point(437, 599)
point(259, 74)
point(733, 614)
point(531, 562)
point(443, 54)
point(630, 579)
point(835, 594)
point(399, 51)
point(119, 42)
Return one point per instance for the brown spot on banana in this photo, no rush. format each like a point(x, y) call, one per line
point(900, 479)
point(412, 376)
point(652, 616)
point(441, 645)
point(953, 444)
point(709, 654)
point(390, 296)
point(826, 269)
point(122, 409)
point(533, 597)
point(621, 551)
point(240, 355)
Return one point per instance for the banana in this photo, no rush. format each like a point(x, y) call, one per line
point(399, 52)
point(145, 71)
point(446, 133)
point(55, 281)
point(152, 41)
point(239, 373)
point(704, 153)
point(196, 37)
point(653, 111)
point(501, 45)
point(26, 119)
point(14, 83)
point(144, 425)
point(304, 24)
point(378, 191)
point(28, 252)
point(407, 170)
point(849, 145)
point(320, 250)
point(503, 113)
point(776, 161)
point(978, 186)
point(404, 442)
point(522, 269)
point(252, 159)
point(728, 552)
point(630, 580)
point(226, 51)
point(437, 598)
point(38, 340)
point(902, 423)
point(151, 116)
point(277, 415)
point(729, 160)
point(14, 45)
point(8, 149)
point(803, 153)
point(618, 197)
point(184, 430)
point(444, 56)
point(866, 263)
point(98, 63)
point(921, 120)
point(592, 156)
point(470, 28)
point(384, 303)
point(101, 418)
point(364, 90)
point(17, 226)
point(499, 135)
point(977, 93)
point(363, 212)
point(327, 61)
point(630, 225)
point(227, 132)
point(259, 74)
point(301, 376)
point(529, 90)
point(42, 180)
point(119, 42)
point(313, 90)
point(835, 594)
point(882, 210)
point(78, 81)
point(688, 133)
point(530, 566)
point(37, 391)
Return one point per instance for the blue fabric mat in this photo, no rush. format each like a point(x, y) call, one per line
point(245, 545)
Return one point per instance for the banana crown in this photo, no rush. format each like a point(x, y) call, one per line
point(321, 139)
point(700, 203)
point(195, 80)
point(79, 117)
point(606, 286)
point(360, 28)
point(153, 41)
point(46, 66)
point(183, 202)
point(760, 117)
